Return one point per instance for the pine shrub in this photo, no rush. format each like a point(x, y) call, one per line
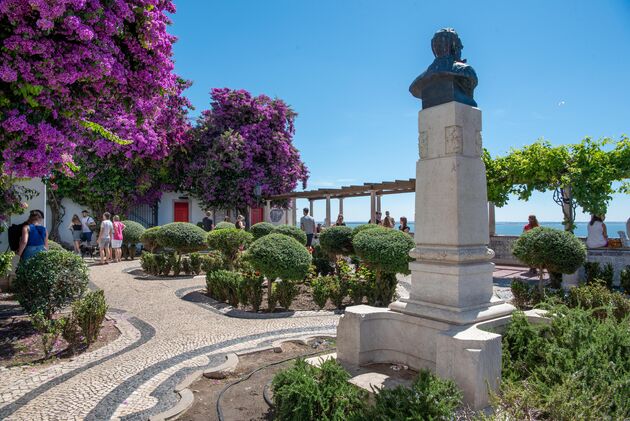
point(90, 312)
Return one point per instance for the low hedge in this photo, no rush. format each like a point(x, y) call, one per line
point(291, 231)
point(261, 229)
point(132, 234)
point(223, 285)
point(49, 281)
point(182, 237)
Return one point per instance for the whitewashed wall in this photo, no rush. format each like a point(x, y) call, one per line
point(71, 207)
point(38, 202)
point(166, 205)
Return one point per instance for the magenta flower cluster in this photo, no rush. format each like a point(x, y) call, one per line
point(241, 143)
point(67, 62)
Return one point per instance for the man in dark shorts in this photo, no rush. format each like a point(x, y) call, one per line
point(307, 224)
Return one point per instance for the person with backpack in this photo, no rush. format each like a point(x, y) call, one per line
point(34, 237)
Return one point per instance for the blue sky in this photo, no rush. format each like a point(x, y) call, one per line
point(557, 70)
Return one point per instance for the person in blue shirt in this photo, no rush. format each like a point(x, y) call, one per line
point(34, 236)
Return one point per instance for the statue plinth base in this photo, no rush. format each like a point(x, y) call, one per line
point(440, 326)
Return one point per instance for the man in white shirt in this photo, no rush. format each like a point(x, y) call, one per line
point(87, 223)
point(307, 224)
point(105, 238)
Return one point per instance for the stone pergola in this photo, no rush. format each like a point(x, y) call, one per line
point(374, 190)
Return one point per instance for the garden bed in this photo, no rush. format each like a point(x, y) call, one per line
point(20, 343)
point(245, 400)
point(140, 274)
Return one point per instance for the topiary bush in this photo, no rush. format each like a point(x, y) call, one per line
point(361, 228)
point(224, 225)
point(223, 285)
point(428, 398)
point(261, 229)
point(132, 234)
point(212, 261)
point(337, 240)
point(149, 238)
point(49, 281)
point(54, 246)
point(89, 312)
point(550, 249)
point(291, 231)
point(182, 237)
point(305, 392)
point(229, 241)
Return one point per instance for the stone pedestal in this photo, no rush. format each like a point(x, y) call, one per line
point(439, 325)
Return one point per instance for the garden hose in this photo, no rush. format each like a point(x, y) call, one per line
point(250, 374)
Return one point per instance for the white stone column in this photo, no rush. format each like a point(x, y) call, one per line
point(341, 205)
point(327, 222)
point(310, 207)
point(372, 206)
point(378, 203)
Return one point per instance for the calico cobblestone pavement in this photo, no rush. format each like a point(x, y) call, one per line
point(163, 339)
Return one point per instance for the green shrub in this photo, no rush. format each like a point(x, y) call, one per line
point(285, 292)
point(71, 332)
point(89, 313)
point(337, 290)
point(305, 392)
point(250, 290)
point(182, 237)
point(186, 266)
point(576, 367)
point(555, 280)
point(381, 292)
point(163, 264)
point(132, 234)
point(591, 271)
point(337, 240)
point(261, 229)
point(597, 297)
point(607, 275)
point(49, 329)
point(320, 291)
point(551, 249)
point(428, 398)
point(195, 263)
point(224, 225)
point(149, 238)
point(383, 249)
point(6, 260)
point(149, 263)
point(356, 289)
point(212, 261)
point(174, 262)
point(520, 294)
point(49, 281)
point(223, 285)
point(54, 246)
point(291, 231)
point(624, 279)
point(229, 241)
point(361, 228)
point(322, 263)
point(280, 256)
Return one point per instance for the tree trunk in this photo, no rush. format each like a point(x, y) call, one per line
point(568, 210)
point(57, 212)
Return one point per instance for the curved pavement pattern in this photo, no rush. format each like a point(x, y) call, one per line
point(164, 339)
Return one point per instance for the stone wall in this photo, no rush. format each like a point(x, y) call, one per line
point(619, 258)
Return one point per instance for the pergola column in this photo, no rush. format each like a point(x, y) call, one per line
point(310, 207)
point(341, 205)
point(378, 203)
point(372, 206)
point(327, 223)
point(492, 224)
point(294, 211)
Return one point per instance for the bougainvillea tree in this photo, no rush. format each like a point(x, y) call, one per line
point(84, 77)
point(241, 143)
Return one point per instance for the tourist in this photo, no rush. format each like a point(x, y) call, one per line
point(388, 222)
point(378, 216)
point(117, 238)
point(207, 222)
point(240, 222)
point(340, 222)
point(403, 225)
point(532, 222)
point(104, 239)
point(87, 225)
point(307, 224)
point(227, 219)
point(597, 235)
point(34, 237)
point(76, 227)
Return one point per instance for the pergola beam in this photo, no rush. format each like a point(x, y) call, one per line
point(387, 187)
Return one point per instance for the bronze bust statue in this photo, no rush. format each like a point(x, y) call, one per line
point(448, 78)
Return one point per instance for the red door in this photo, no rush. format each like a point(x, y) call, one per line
point(180, 212)
point(256, 215)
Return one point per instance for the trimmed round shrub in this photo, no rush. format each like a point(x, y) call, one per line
point(291, 231)
point(337, 240)
point(229, 241)
point(279, 256)
point(360, 228)
point(552, 249)
point(132, 234)
point(183, 237)
point(52, 245)
point(49, 281)
point(261, 229)
point(383, 249)
point(149, 238)
point(224, 225)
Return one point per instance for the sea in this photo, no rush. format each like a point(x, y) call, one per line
point(516, 228)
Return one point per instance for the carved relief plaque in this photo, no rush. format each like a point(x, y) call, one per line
point(454, 140)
